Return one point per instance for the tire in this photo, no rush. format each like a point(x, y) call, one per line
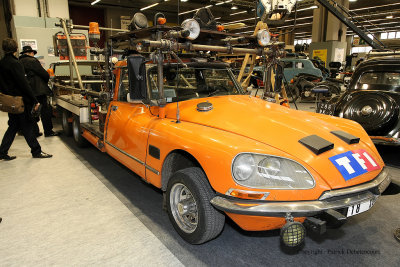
point(77, 133)
point(293, 93)
point(67, 126)
point(377, 112)
point(189, 189)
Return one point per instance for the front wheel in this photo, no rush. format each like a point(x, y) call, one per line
point(189, 207)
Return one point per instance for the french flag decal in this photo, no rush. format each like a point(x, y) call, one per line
point(354, 163)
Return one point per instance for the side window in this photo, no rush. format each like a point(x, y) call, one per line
point(123, 88)
point(299, 65)
point(391, 78)
point(370, 78)
point(288, 65)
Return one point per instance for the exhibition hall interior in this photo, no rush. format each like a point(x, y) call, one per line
point(199, 132)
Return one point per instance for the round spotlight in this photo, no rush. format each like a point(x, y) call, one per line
point(234, 7)
point(293, 234)
point(263, 37)
point(193, 27)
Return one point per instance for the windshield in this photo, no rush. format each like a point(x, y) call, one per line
point(188, 83)
point(379, 81)
point(84, 70)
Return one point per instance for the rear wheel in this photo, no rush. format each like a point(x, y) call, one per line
point(77, 133)
point(189, 208)
point(66, 125)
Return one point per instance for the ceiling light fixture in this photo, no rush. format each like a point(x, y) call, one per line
point(389, 16)
point(234, 7)
point(95, 2)
point(184, 0)
point(150, 6)
point(236, 13)
point(352, 0)
point(193, 10)
point(307, 8)
point(374, 7)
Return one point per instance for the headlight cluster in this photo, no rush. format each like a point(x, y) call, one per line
point(270, 172)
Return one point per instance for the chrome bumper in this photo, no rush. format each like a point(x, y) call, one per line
point(334, 199)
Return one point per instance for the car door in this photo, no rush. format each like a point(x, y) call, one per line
point(128, 128)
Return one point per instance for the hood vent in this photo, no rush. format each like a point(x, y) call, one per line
point(348, 138)
point(316, 144)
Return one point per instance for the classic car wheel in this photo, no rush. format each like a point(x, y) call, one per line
point(77, 133)
point(189, 207)
point(376, 112)
point(66, 125)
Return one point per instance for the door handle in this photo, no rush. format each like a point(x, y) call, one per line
point(114, 108)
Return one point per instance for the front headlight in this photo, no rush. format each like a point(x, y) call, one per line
point(270, 172)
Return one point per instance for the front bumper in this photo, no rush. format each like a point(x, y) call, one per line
point(385, 140)
point(334, 199)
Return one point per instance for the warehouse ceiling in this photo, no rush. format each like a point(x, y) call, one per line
point(376, 16)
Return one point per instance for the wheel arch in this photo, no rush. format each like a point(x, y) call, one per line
point(176, 160)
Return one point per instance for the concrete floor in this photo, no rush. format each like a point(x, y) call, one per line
point(83, 208)
point(57, 212)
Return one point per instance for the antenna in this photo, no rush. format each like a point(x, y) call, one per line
point(178, 115)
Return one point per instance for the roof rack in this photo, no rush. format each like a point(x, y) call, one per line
point(382, 52)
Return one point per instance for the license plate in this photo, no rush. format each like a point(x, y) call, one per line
point(327, 109)
point(359, 208)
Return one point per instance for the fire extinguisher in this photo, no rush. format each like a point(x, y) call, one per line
point(94, 111)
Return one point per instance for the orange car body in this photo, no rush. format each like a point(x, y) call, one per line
point(236, 124)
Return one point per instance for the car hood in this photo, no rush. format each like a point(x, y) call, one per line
point(281, 128)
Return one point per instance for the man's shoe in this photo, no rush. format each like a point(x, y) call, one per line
point(52, 134)
point(42, 155)
point(39, 134)
point(7, 157)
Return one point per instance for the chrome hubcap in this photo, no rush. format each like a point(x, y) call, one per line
point(366, 110)
point(183, 208)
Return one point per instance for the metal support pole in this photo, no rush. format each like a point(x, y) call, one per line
point(72, 54)
point(82, 27)
point(160, 76)
point(164, 44)
point(350, 24)
point(107, 66)
point(71, 72)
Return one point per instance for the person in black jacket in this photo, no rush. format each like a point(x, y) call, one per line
point(38, 80)
point(13, 82)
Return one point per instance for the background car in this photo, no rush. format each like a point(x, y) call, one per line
point(295, 66)
point(372, 99)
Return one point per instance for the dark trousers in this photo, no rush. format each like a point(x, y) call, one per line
point(24, 123)
point(45, 116)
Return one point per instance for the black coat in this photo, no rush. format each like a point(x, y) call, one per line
point(13, 80)
point(37, 76)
